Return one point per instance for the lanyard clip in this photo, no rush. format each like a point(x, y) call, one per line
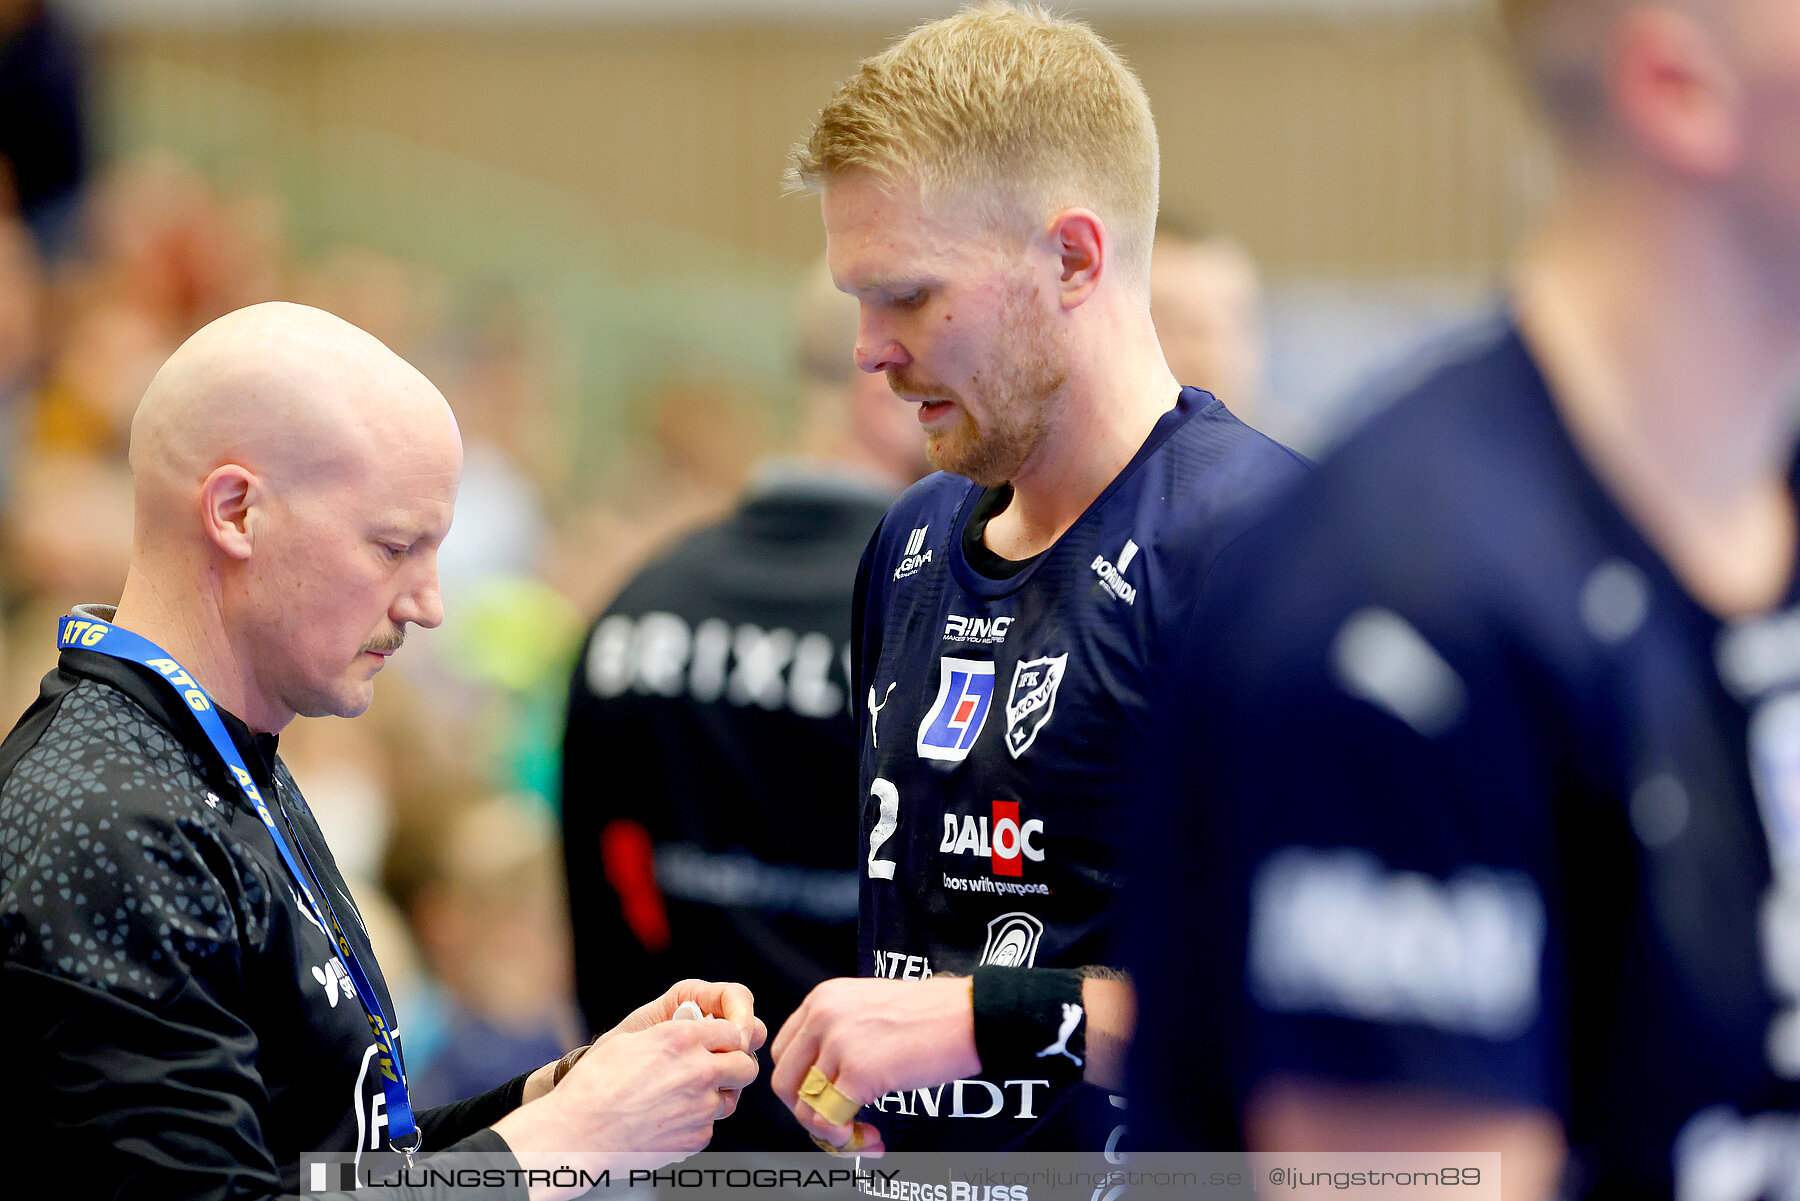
point(418, 1137)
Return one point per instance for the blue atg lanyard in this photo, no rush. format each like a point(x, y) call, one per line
point(87, 634)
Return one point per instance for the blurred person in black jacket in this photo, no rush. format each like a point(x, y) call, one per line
point(709, 774)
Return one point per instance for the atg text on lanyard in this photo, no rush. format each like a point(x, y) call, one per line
point(89, 634)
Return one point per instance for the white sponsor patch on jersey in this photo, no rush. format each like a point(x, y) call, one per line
point(1756, 656)
point(1005, 842)
point(895, 965)
point(1112, 575)
point(1337, 932)
point(914, 556)
point(1724, 1155)
point(954, 721)
point(1012, 940)
point(1377, 656)
point(1031, 700)
point(1775, 775)
point(1017, 1099)
point(985, 631)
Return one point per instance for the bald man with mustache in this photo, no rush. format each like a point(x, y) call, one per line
point(191, 999)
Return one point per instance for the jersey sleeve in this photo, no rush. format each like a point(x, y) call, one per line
point(460, 1124)
point(1354, 828)
point(865, 633)
point(121, 972)
point(158, 1102)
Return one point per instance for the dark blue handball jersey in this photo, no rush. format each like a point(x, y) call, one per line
point(1002, 731)
point(1487, 805)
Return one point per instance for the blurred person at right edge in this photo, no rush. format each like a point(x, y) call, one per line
point(1492, 754)
point(710, 749)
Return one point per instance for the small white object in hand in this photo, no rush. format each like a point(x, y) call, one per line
point(687, 1011)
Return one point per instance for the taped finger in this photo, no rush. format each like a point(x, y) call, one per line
point(826, 1099)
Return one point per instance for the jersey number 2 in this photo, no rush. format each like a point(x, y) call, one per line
point(886, 822)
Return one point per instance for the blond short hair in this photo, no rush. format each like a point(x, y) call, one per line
point(1006, 108)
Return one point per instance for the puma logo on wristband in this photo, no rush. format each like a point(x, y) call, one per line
point(1071, 1018)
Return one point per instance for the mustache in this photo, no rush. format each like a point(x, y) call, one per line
point(909, 385)
point(388, 645)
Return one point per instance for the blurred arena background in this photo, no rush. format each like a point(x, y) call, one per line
point(569, 213)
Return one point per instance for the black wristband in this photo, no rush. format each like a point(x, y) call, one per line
point(1030, 1021)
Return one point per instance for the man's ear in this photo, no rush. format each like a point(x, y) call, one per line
point(228, 500)
point(1675, 92)
point(1082, 245)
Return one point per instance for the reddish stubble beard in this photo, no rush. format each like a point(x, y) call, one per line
point(1017, 393)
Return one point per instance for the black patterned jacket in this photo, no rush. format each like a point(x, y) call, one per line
point(175, 1022)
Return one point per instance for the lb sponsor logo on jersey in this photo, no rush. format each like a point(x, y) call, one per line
point(1012, 940)
point(1005, 842)
point(914, 556)
point(1113, 575)
point(1032, 700)
point(986, 631)
point(965, 693)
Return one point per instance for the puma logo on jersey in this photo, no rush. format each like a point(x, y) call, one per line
point(1114, 576)
point(875, 712)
